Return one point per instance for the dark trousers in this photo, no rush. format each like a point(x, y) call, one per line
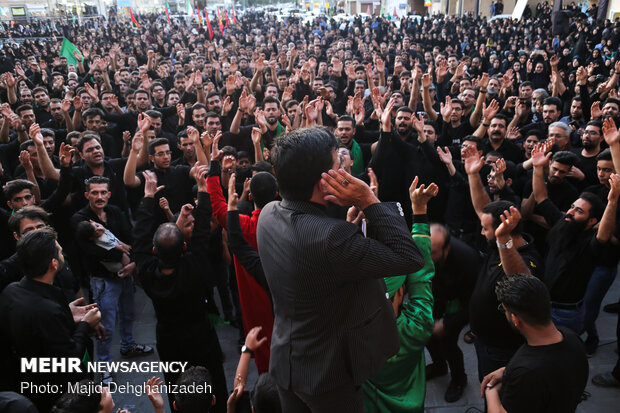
point(344, 399)
point(445, 348)
point(491, 358)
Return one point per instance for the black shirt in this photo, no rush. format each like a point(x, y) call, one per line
point(177, 187)
point(37, 322)
point(454, 282)
point(113, 170)
point(587, 165)
point(178, 298)
point(485, 320)
point(548, 378)
point(92, 255)
point(509, 150)
point(569, 265)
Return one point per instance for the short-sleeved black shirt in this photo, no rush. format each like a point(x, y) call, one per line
point(547, 378)
point(485, 320)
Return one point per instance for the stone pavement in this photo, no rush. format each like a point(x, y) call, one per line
point(600, 401)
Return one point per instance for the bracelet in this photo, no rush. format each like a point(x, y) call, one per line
point(483, 91)
point(486, 125)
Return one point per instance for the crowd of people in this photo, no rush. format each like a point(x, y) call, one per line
point(479, 160)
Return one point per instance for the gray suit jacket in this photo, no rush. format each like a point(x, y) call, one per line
point(334, 324)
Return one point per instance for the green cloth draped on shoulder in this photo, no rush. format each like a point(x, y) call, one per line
point(400, 385)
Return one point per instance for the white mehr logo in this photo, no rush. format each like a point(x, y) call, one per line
point(51, 365)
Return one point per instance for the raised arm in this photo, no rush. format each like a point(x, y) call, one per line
point(473, 164)
point(608, 221)
point(129, 175)
point(45, 163)
point(427, 81)
point(482, 94)
point(512, 262)
point(539, 160)
point(612, 137)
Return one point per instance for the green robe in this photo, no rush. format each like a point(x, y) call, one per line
point(400, 385)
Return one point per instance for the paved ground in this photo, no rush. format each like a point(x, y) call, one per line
point(601, 400)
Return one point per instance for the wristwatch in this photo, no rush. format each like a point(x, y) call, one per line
point(509, 244)
point(246, 349)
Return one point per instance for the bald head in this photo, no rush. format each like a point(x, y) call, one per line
point(440, 243)
point(168, 243)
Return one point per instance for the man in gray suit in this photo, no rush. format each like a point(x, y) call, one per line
point(334, 324)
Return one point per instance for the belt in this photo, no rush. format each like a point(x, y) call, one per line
point(567, 306)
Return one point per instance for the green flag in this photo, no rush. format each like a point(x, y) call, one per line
point(67, 49)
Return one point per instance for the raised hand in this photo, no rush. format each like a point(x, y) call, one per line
point(65, 153)
point(420, 196)
point(489, 112)
point(473, 161)
point(144, 122)
point(614, 191)
point(539, 159)
point(153, 391)
point(595, 110)
point(446, 109)
point(24, 160)
point(344, 189)
point(610, 132)
point(513, 134)
point(510, 219)
point(227, 106)
point(150, 184)
point(35, 134)
point(233, 196)
point(444, 155)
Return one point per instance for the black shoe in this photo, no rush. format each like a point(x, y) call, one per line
point(612, 308)
point(591, 345)
point(436, 370)
point(137, 350)
point(455, 390)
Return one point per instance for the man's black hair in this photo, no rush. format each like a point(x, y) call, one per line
point(198, 402)
point(265, 397)
point(299, 158)
point(476, 140)
point(555, 101)
point(262, 166)
point(23, 108)
point(32, 213)
point(35, 252)
point(525, 296)
point(229, 150)
point(48, 132)
point(86, 138)
point(346, 118)
point(596, 205)
point(264, 188)
point(496, 210)
point(16, 186)
point(95, 180)
point(405, 108)
point(155, 143)
point(80, 402)
point(26, 144)
point(604, 155)
point(154, 114)
point(565, 158)
point(92, 112)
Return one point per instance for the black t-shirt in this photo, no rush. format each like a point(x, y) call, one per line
point(562, 194)
point(569, 265)
point(177, 186)
point(485, 320)
point(547, 378)
point(509, 150)
point(587, 165)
